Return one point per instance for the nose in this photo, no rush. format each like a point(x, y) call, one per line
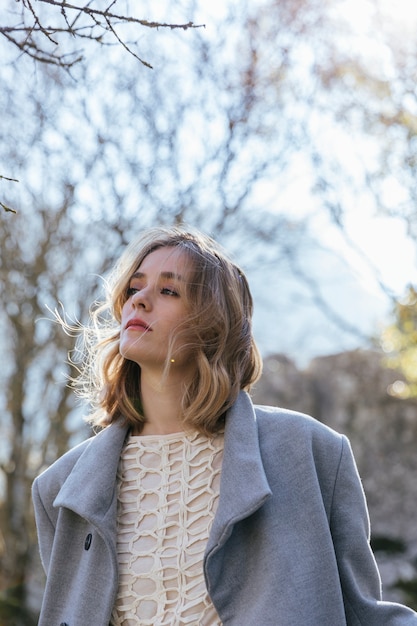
point(142, 298)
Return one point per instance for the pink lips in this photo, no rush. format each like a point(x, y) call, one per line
point(138, 323)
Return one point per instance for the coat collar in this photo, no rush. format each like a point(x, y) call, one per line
point(90, 488)
point(244, 486)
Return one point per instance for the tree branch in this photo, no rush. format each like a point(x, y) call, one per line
point(101, 20)
point(114, 16)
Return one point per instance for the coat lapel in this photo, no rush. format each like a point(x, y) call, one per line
point(90, 488)
point(244, 487)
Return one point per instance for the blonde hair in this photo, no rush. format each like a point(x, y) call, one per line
point(218, 328)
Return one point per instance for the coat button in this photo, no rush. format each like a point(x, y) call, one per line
point(87, 545)
point(64, 624)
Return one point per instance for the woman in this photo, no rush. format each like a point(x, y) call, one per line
point(191, 505)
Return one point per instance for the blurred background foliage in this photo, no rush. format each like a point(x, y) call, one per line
point(399, 341)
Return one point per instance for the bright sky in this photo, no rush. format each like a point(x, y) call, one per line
point(384, 240)
point(382, 252)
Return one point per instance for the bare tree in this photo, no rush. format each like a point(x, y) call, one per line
point(46, 30)
point(368, 92)
point(37, 406)
point(55, 32)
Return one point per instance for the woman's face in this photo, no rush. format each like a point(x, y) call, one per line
point(155, 307)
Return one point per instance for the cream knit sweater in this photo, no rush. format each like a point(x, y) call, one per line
point(168, 489)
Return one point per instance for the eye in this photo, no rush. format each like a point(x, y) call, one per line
point(130, 291)
point(166, 291)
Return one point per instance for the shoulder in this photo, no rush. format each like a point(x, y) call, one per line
point(298, 434)
point(95, 456)
point(53, 477)
point(298, 448)
point(285, 420)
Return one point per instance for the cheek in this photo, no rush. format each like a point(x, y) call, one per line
point(123, 311)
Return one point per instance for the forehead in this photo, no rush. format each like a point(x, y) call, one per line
point(166, 260)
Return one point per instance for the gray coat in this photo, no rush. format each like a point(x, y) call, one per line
point(288, 546)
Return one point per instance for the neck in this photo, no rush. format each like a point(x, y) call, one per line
point(161, 403)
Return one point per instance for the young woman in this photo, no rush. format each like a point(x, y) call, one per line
point(192, 505)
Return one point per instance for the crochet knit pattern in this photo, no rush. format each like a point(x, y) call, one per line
point(168, 492)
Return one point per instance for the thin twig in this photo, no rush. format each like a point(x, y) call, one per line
point(125, 46)
point(4, 206)
point(113, 16)
point(104, 20)
point(7, 208)
point(11, 180)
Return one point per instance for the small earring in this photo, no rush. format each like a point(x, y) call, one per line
point(172, 360)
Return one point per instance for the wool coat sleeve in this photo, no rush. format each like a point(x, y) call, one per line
point(360, 581)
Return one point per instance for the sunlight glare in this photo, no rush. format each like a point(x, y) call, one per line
point(402, 12)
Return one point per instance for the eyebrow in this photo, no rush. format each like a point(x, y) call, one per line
point(166, 275)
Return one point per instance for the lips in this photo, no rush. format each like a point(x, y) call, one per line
point(138, 323)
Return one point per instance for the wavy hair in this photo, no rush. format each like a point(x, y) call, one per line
point(218, 329)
